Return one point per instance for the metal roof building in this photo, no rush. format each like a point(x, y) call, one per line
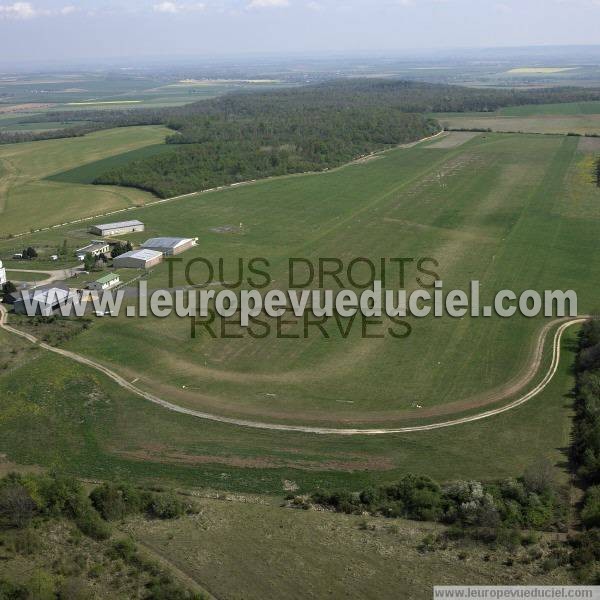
point(94, 248)
point(138, 259)
point(105, 283)
point(2, 274)
point(119, 228)
point(170, 246)
point(42, 301)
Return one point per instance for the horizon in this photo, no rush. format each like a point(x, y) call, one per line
point(55, 31)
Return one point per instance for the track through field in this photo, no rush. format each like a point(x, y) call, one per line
point(121, 381)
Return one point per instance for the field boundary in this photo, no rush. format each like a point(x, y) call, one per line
point(122, 382)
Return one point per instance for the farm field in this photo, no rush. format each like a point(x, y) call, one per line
point(476, 208)
point(24, 96)
point(29, 200)
point(549, 118)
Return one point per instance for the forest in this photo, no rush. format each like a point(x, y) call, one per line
point(252, 135)
point(244, 136)
point(219, 149)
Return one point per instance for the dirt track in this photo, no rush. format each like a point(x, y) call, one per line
point(318, 430)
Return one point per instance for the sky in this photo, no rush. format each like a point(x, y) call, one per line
point(69, 31)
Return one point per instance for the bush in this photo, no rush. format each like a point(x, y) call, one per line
point(165, 506)
point(115, 501)
point(17, 508)
point(124, 549)
point(75, 588)
point(91, 524)
point(159, 589)
point(62, 495)
point(27, 542)
point(590, 514)
point(13, 591)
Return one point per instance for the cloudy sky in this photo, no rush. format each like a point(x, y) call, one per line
point(69, 30)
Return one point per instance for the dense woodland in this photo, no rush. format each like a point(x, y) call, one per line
point(218, 149)
point(247, 136)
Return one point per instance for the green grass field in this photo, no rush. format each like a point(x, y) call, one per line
point(88, 172)
point(58, 414)
point(342, 556)
point(477, 208)
point(26, 276)
point(566, 108)
point(29, 200)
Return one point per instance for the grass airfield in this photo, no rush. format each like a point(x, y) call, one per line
point(478, 208)
point(514, 211)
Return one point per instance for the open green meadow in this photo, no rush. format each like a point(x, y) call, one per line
point(58, 414)
point(29, 199)
point(342, 556)
point(477, 208)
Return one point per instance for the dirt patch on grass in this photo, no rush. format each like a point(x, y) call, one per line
point(15, 108)
point(589, 145)
point(453, 139)
point(226, 229)
point(348, 463)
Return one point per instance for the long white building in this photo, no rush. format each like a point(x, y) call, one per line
point(2, 274)
point(170, 246)
point(138, 259)
point(119, 228)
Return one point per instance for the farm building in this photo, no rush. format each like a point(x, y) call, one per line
point(170, 246)
point(43, 301)
point(120, 228)
point(138, 259)
point(105, 283)
point(2, 274)
point(95, 249)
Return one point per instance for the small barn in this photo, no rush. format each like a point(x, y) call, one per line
point(105, 283)
point(95, 248)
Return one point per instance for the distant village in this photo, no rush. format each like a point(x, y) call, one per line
point(102, 254)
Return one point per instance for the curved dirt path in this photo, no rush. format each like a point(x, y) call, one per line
point(305, 428)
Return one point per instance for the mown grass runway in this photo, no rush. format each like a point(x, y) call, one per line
point(502, 209)
point(514, 211)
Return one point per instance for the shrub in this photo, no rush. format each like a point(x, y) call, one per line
point(590, 514)
point(165, 506)
point(91, 524)
point(62, 495)
point(124, 549)
point(13, 591)
point(115, 501)
point(17, 508)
